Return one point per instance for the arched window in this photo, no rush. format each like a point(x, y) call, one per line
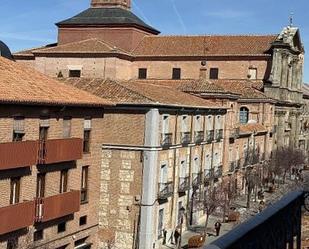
point(244, 115)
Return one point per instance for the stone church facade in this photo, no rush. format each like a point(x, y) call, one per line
point(250, 97)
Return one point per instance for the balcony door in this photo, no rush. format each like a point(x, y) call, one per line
point(15, 190)
point(163, 176)
point(40, 186)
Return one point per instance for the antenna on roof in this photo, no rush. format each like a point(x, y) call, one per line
point(291, 19)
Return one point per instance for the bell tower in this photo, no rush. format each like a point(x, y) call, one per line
point(126, 4)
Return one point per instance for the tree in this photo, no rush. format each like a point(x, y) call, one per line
point(252, 179)
point(229, 189)
point(214, 198)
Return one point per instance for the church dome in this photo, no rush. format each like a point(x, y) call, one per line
point(5, 51)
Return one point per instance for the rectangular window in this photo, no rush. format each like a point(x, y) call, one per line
point(214, 73)
point(38, 235)
point(62, 227)
point(63, 181)
point(15, 190)
point(18, 129)
point(142, 73)
point(74, 73)
point(165, 124)
point(87, 135)
point(40, 185)
point(160, 223)
point(84, 184)
point(184, 123)
point(83, 220)
point(176, 74)
point(81, 242)
point(252, 73)
point(67, 127)
point(43, 133)
point(198, 120)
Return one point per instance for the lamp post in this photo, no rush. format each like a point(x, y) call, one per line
point(182, 212)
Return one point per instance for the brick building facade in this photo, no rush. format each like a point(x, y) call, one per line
point(49, 161)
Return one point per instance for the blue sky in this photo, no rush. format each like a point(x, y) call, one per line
point(26, 24)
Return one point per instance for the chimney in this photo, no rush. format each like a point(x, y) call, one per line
point(126, 4)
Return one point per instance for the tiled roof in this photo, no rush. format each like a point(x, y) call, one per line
point(139, 93)
point(29, 52)
point(194, 86)
point(86, 46)
point(22, 85)
point(205, 45)
point(107, 16)
point(245, 88)
point(252, 128)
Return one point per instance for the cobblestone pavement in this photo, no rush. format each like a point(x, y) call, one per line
point(240, 204)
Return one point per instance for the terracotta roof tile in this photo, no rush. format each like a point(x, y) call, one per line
point(22, 85)
point(139, 93)
point(252, 128)
point(194, 86)
point(29, 52)
point(245, 88)
point(85, 46)
point(204, 45)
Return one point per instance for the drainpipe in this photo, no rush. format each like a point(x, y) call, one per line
point(190, 172)
point(150, 180)
point(174, 168)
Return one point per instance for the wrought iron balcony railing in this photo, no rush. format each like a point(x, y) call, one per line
point(165, 190)
point(199, 137)
point(210, 136)
point(184, 184)
point(166, 139)
point(208, 175)
point(185, 138)
point(232, 166)
point(197, 179)
point(219, 135)
point(218, 172)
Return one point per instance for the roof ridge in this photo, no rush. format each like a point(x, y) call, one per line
point(213, 35)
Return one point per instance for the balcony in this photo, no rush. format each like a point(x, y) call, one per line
point(232, 166)
point(210, 136)
point(60, 150)
point(208, 175)
point(199, 137)
point(165, 190)
point(218, 172)
point(278, 226)
point(197, 179)
point(58, 206)
point(184, 184)
point(17, 216)
point(237, 165)
point(18, 154)
point(219, 135)
point(166, 139)
point(185, 138)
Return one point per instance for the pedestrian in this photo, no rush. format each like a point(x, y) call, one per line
point(261, 206)
point(177, 235)
point(218, 227)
